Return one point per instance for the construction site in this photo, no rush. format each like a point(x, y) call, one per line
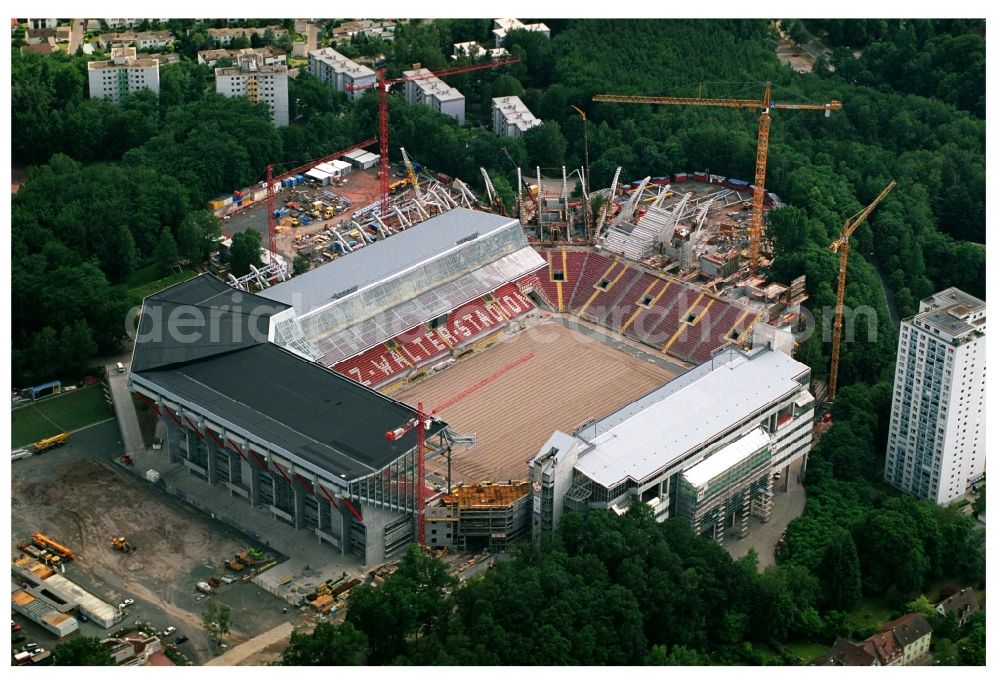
point(94, 550)
point(398, 391)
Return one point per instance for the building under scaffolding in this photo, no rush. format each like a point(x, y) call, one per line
point(490, 516)
point(733, 482)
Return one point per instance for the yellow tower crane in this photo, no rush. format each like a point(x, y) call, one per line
point(765, 105)
point(843, 245)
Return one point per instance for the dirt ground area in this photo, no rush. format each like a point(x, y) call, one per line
point(794, 56)
point(18, 175)
point(566, 379)
point(83, 502)
point(362, 188)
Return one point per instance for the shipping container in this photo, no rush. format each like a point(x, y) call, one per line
point(715, 178)
point(680, 177)
point(214, 204)
point(700, 177)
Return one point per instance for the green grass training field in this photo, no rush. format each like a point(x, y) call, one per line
point(58, 414)
point(140, 285)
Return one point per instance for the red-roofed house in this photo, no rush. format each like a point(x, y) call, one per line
point(900, 643)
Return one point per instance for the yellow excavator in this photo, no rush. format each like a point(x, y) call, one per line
point(122, 545)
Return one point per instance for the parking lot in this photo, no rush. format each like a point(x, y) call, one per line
point(77, 495)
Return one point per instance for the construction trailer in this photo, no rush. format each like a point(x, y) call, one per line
point(483, 516)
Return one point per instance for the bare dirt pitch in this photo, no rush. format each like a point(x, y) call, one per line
point(567, 379)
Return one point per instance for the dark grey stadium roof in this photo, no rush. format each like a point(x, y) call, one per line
point(384, 258)
point(199, 317)
point(325, 419)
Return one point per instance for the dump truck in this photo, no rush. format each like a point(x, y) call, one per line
point(121, 544)
point(46, 541)
point(51, 443)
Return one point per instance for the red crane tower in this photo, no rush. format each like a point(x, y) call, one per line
point(383, 110)
point(422, 421)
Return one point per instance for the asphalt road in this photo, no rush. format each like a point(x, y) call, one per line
point(763, 536)
point(75, 36)
point(312, 37)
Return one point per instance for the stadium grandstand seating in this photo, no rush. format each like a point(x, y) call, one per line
point(604, 300)
point(694, 328)
point(373, 367)
point(645, 287)
point(722, 326)
point(681, 319)
point(422, 345)
point(511, 302)
point(593, 267)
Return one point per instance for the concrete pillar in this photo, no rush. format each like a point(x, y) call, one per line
point(720, 524)
point(174, 437)
point(254, 483)
point(323, 511)
point(211, 450)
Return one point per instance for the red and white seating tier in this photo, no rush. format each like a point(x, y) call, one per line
point(422, 345)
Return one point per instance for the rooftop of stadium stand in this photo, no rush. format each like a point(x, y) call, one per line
point(687, 412)
point(236, 377)
point(393, 286)
point(385, 259)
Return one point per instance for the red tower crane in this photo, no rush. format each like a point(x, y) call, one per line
point(422, 421)
point(383, 110)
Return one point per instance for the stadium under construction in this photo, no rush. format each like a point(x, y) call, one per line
point(284, 397)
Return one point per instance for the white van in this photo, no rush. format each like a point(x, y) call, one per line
point(120, 367)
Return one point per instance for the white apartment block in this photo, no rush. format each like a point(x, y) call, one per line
point(511, 118)
point(124, 73)
point(225, 36)
point(144, 40)
point(269, 57)
point(936, 445)
point(121, 23)
point(502, 26)
point(258, 83)
point(338, 72)
point(716, 435)
point(473, 49)
point(382, 30)
point(434, 93)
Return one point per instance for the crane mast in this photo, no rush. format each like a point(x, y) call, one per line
point(765, 105)
point(843, 246)
point(382, 84)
